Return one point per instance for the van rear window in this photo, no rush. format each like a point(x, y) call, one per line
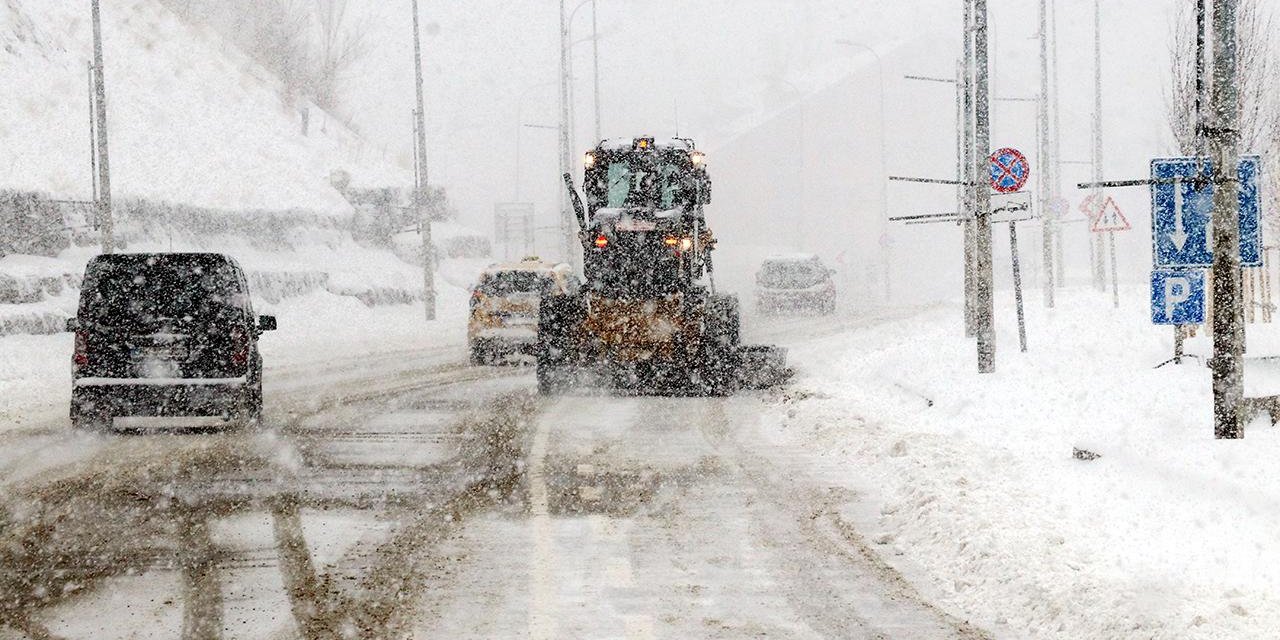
point(149, 290)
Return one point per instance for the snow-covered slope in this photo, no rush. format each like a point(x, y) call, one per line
point(191, 120)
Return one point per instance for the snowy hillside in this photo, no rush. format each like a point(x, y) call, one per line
point(190, 119)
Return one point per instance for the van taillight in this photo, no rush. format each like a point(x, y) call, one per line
point(239, 346)
point(81, 356)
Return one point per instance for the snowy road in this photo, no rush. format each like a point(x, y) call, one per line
point(658, 521)
point(405, 494)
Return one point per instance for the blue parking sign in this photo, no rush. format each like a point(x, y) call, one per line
point(1177, 296)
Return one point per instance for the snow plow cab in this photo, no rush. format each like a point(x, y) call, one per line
point(644, 320)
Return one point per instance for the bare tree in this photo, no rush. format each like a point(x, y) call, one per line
point(311, 45)
point(340, 44)
point(1259, 83)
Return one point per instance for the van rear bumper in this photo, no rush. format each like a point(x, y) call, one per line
point(158, 396)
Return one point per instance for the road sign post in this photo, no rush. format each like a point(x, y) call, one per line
point(1017, 284)
point(1224, 138)
point(985, 278)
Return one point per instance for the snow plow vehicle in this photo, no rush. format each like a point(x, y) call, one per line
point(644, 319)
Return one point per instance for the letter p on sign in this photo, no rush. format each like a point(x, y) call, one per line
point(1177, 290)
point(1177, 296)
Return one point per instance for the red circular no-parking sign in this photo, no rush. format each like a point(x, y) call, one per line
point(1009, 170)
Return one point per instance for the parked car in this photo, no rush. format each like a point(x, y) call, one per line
point(504, 307)
point(165, 334)
point(795, 283)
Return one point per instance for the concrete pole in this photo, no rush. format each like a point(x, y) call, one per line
point(1057, 145)
point(1048, 223)
point(1095, 239)
point(982, 150)
point(1227, 365)
point(964, 172)
point(965, 89)
point(424, 217)
point(595, 65)
point(106, 222)
point(567, 232)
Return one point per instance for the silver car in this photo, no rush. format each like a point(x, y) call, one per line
point(797, 283)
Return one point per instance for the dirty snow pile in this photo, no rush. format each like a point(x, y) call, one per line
point(972, 490)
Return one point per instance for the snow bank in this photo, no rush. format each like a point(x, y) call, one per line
point(1169, 534)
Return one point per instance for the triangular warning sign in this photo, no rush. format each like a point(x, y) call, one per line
point(1110, 218)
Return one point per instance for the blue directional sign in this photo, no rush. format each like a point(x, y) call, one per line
point(1177, 296)
point(1182, 212)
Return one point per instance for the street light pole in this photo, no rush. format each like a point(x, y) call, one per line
point(884, 171)
point(106, 222)
point(1047, 216)
point(969, 188)
point(567, 234)
point(424, 217)
point(1099, 271)
point(982, 150)
point(595, 63)
point(1224, 139)
point(520, 119)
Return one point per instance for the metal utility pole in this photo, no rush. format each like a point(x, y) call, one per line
point(982, 149)
point(595, 63)
point(103, 202)
point(424, 216)
point(1224, 140)
point(1048, 223)
point(567, 233)
point(1099, 271)
point(1057, 145)
point(968, 188)
point(1200, 83)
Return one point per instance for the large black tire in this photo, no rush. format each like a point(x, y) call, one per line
point(559, 321)
point(479, 356)
point(249, 415)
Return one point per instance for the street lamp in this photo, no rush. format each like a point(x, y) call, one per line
point(595, 56)
point(519, 119)
point(884, 169)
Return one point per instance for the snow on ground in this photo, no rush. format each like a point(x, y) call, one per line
point(1170, 534)
point(191, 120)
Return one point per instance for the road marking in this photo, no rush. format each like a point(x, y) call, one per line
point(542, 597)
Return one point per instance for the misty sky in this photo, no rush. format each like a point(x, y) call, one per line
point(718, 64)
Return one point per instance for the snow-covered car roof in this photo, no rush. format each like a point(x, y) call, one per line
point(531, 264)
point(791, 257)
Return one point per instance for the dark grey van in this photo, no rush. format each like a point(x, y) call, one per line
point(166, 334)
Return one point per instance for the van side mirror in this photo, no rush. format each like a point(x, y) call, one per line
point(266, 323)
point(72, 325)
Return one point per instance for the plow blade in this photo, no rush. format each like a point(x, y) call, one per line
point(762, 366)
